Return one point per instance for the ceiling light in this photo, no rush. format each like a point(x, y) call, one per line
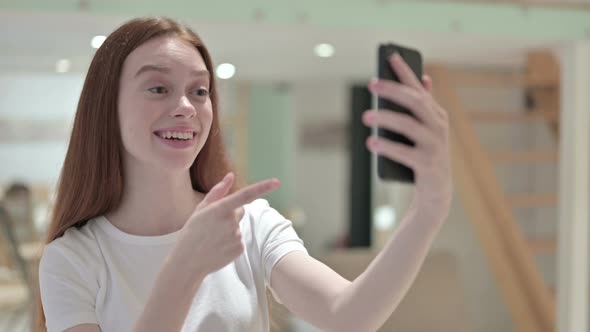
point(225, 71)
point(63, 66)
point(97, 41)
point(324, 50)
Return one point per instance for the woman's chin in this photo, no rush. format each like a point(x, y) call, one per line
point(175, 162)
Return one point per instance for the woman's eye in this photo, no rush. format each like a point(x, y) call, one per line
point(202, 92)
point(158, 89)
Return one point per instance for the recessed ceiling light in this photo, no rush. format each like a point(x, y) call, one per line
point(97, 41)
point(324, 50)
point(63, 66)
point(225, 71)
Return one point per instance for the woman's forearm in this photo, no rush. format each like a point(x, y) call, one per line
point(170, 298)
point(372, 297)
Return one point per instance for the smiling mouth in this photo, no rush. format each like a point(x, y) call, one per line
point(176, 136)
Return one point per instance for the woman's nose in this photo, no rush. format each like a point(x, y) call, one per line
point(184, 108)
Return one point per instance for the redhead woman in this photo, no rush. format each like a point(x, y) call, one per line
point(152, 230)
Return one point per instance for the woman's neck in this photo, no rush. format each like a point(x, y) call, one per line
point(154, 202)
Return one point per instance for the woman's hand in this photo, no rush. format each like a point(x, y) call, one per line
point(430, 158)
point(211, 237)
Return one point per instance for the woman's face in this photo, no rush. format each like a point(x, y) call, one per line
point(164, 108)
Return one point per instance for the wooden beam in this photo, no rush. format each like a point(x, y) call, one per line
point(542, 69)
point(516, 116)
point(524, 157)
point(543, 82)
point(543, 246)
point(487, 78)
point(533, 200)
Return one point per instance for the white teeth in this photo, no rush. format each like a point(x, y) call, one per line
point(176, 134)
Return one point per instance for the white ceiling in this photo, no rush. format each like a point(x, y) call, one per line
point(260, 51)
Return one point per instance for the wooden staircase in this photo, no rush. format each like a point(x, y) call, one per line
point(513, 249)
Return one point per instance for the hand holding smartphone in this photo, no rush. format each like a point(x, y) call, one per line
point(388, 169)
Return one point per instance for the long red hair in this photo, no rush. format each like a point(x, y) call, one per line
point(91, 180)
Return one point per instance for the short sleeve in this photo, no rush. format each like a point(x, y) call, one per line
point(67, 291)
point(275, 236)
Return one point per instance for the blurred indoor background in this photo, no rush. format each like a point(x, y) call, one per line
point(513, 75)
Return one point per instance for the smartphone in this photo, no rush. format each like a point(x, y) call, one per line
point(388, 169)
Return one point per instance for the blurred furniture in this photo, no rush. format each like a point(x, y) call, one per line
point(18, 279)
point(18, 202)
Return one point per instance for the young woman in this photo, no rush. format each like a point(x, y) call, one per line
point(151, 231)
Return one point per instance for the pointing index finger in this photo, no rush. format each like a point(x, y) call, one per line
point(248, 194)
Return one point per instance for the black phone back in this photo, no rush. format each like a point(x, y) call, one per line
point(388, 169)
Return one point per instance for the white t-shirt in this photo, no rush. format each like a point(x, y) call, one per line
point(98, 274)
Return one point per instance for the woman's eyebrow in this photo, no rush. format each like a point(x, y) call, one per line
point(166, 70)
